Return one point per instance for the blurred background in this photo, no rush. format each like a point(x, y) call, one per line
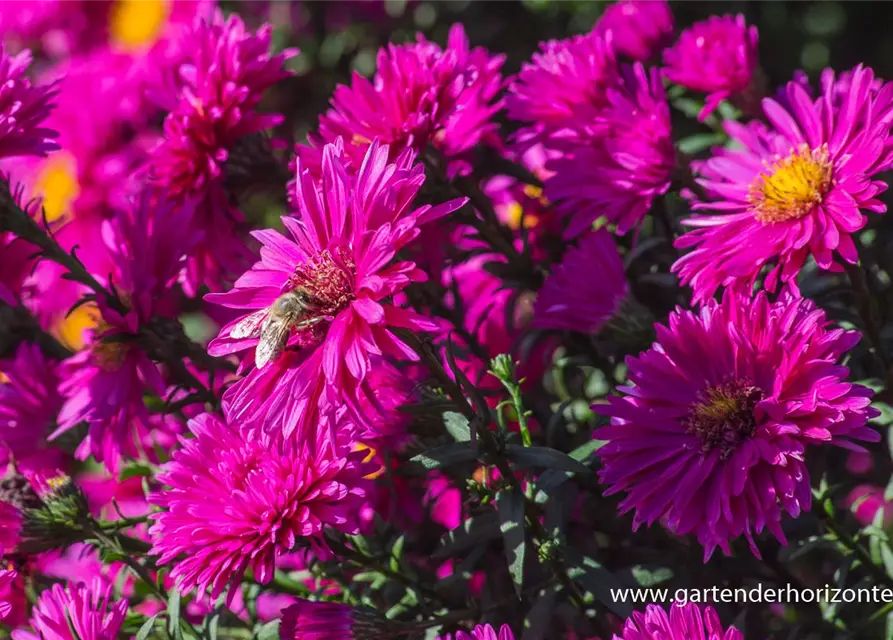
point(337, 38)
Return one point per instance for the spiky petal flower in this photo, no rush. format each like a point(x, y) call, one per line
point(617, 163)
point(640, 28)
point(307, 620)
point(340, 255)
point(6, 582)
point(421, 95)
point(792, 189)
point(76, 612)
point(585, 290)
point(237, 502)
point(711, 436)
point(483, 632)
point(104, 384)
point(686, 620)
point(717, 56)
point(225, 74)
point(566, 79)
point(22, 108)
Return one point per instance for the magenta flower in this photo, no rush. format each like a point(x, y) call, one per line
point(422, 94)
point(15, 265)
point(22, 109)
point(237, 502)
point(686, 620)
point(717, 56)
point(10, 527)
point(483, 632)
point(104, 384)
point(865, 501)
point(320, 298)
point(616, 164)
point(7, 579)
point(29, 402)
point(711, 435)
point(567, 80)
point(795, 189)
point(307, 620)
point(81, 612)
point(640, 28)
point(569, 302)
point(223, 78)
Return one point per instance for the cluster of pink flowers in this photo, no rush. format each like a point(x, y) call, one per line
point(196, 395)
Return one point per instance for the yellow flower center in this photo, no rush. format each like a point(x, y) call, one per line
point(136, 24)
point(791, 187)
point(70, 329)
point(57, 185)
point(4, 379)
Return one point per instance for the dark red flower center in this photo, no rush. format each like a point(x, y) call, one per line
point(723, 416)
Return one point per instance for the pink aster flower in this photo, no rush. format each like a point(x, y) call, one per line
point(568, 79)
point(641, 28)
point(29, 402)
point(711, 435)
point(717, 56)
point(337, 265)
point(795, 188)
point(76, 612)
point(571, 300)
point(15, 264)
point(237, 502)
point(10, 527)
point(686, 620)
point(104, 384)
point(866, 501)
point(94, 172)
point(422, 94)
point(22, 109)
point(222, 79)
point(483, 632)
point(307, 620)
point(7, 578)
point(616, 164)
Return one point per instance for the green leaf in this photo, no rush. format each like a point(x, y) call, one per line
point(510, 505)
point(135, 471)
point(397, 554)
point(539, 618)
point(693, 145)
point(550, 480)
point(173, 612)
point(646, 577)
point(474, 532)
point(457, 426)
point(146, 628)
point(447, 455)
point(689, 106)
point(269, 631)
point(544, 458)
point(597, 580)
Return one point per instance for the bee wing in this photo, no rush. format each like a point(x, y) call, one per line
point(250, 326)
point(273, 336)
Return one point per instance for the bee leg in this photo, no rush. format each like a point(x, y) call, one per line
point(309, 322)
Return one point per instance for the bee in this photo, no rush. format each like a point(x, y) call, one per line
point(273, 325)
